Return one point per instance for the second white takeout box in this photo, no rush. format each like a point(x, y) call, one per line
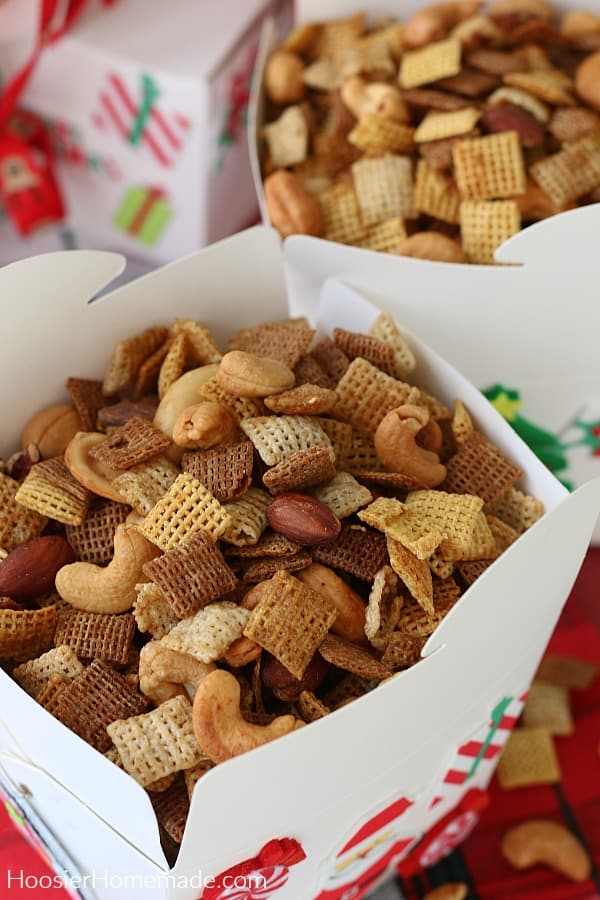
point(360, 787)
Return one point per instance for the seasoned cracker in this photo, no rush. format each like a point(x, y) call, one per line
point(310, 707)
point(131, 445)
point(462, 424)
point(436, 195)
point(97, 697)
point(418, 623)
point(366, 395)
point(303, 400)
point(152, 611)
point(342, 221)
point(333, 360)
point(357, 551)
point(270, 544)
point(263, 569)
point(186, 509)
point(351, 687)
point(438, 125)
point(248, 518)
point(567, 671)
point(309, 371)
point(385, 236)
point(143, 486)
point(352, 658)
point(384, 188)
point(157, 743)
point(490, 167)
point(343, 495)
point(224, 471)
point(479, 467)
point(376, 135)
point(34, 674)
point(414, 572)
point(193, 575)
point(96, 635)
point(173, 365)
point(548, 706)
point(25, 633)
point(202, 347)
point(365, 346)
point(49, 694)
point(276, 437)
point(40, 495)
point(548, 85)
point(528, 759)
point(391, 480)
point(88, 400)
point(17, 523)
point(383, 609)
point(440, 59)
point(485, 225)
point(300, 471)
point(128, 356)
point(209, 633)
point(290, 622)
point(403, 650)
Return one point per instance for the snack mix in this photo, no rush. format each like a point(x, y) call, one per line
point(205, 552)
point(437, 137)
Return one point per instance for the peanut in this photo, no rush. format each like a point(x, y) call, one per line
point(432, 245)
point(51, 429)
point(292, 208)
point(283, 77)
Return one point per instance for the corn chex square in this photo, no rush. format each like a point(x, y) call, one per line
point(17, 523)
point(571, 172)
point(440, 59)
point(385, 236)
point(384, 188)
point(376, 135)
point(453, 516)
point(341, 215)
point(385, 328)
point(276, 437)
point(207, 635)
point(485, 225)
point(438, 125)
point(290, 622)
point(185, 509)
point(436, 195)
point(490, 167)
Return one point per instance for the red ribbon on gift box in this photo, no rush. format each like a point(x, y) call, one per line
point(28, 187)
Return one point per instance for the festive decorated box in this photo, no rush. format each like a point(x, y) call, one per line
point(323, 813)
point(146, 108)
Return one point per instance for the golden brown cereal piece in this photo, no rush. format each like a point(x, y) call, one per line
point(462, 424)
point(570, 173)
point(481, 546)
point(201, 345)
point(385, 236)
point(143, 486)
point(184, 510)
point(94, 699)
point(383, 512)
point(25, 633)
point(248, 518)
point(384, 188)
point(503, 534)
point(128, 356)
point(132, 445)
point(391, 480)
point(300, 470)
point(439, 59)
point(209, 633)
point(350, 607)
point(416, 622)
point(149, 371)
point(439, 566)
point(375, 351)
point(545, 841)
point(290, 622)
point(357, 551)
point(95, 635)
point(49, 694)
point(528, 758)
point(436, 195)
point(192, 575)
point(287, 343)
point(263, 569)
point(403, 650)
point(343, 495)
point(383, 610)
point(17, 523)
point(517, 509)
point(88, 400)
point(548, 706)
point(152, 612)
point(567, 671)
point(173, 365)
point(376, 135)
point(489, 167)
point(310, 707)
point(66, 503)
point(276, 437)
point(322, 75)
point(439, 125)
point(385, 329)
point(414, 572)
point(550, 86)
point(479, 467)
point(270, 544)
point(157, 743)
point(453, 515)
point(366, 395)
point(341, 215)
point(352, 658)
point(287, 138)
point(485, 225)
point(34, 674)
point(432, 245)
point(586, 79)
point(368, 57)
point(225, 471)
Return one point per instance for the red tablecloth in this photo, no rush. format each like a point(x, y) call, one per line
point(576, 801)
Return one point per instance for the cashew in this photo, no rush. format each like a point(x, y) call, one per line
point(253, 597)
point(432, 23)
point(545, 841)
point(587, 79)
point(164, 672)
point(283, 77)
point(381, 99)
point(51, 429)
point(219, 726)
point(241, 652)
point(351, 608)
point(432, 245)
point(110, 589)
point(397, 448)
point(183, 392)
point(90, 472)
point(204, 425)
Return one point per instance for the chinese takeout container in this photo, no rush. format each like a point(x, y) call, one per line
point(360, 787)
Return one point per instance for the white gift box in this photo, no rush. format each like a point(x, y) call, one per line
point(541, 366)
point(146, 103)
point(358, 788)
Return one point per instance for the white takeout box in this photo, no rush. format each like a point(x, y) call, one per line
point(359, 787)
point(546, 315)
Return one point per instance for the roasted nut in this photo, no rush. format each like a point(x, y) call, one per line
point(19, 465)
point(292, 208)
point(533, 9)
point(164, 672)
point(433, 22)
point(90, 472)
point(513, 118)
point(30, 570)
point(397, 448)
point(241, 652)
point(544, 841)
point(283, 77)
point(283, 684)
point(253, 597)
point(432, 245)
point(303, 519)
point(219, 726)
point(110, 589)
point(582, 28)
point(535, 204)
point(51, 430)
point(350, 607)
point(570, 123)
point(206, 424)
point(587, 80)
point(246, 375)
point(182, 393)
point(376, 98)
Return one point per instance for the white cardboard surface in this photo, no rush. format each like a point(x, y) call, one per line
point(303, 786)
